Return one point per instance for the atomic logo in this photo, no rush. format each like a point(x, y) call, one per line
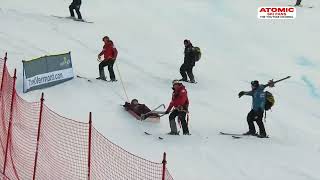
point(276, 13)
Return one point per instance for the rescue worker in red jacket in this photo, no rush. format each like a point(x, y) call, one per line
point(110, 55)
point(180, 103)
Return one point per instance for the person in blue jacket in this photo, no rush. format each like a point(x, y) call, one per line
point(258, 106)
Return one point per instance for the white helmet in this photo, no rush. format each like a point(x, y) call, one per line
point(175, 82)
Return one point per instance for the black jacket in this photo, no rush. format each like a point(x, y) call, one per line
point(189, 56)
point(76, 2)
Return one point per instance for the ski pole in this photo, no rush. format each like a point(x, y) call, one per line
point(179, 121)
point(188, 119)
point(280, 80)
point(157, 112)
point(154, 110)
point(158, 107)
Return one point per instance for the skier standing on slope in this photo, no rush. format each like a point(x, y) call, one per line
point(75, 5)
point(180, 103)
point(258, 107)
point(188, 63)
point(110, 55)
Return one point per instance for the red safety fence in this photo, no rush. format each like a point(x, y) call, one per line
point(37, 143)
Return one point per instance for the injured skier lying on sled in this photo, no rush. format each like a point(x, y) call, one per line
point(140, 111)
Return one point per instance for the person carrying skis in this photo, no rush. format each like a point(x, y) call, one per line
point(188, 63)
point(258, 107)
point(75, 5)
point(180, 103)
point(110, 55)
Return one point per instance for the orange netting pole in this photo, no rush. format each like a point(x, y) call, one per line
point(10, 121)
point(89, 151)
point(38, 137)
point(164, 162)
point(3, 70)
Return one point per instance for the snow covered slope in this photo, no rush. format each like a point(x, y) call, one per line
point(236, 48)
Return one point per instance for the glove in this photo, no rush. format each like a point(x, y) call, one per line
point(167, 112)
point(271, 83)
point(180, 108)
point(241, 94)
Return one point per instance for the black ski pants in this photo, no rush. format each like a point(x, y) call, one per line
point(77, 8)
point(185, 70)
point(298, 2)
point(110, 64)
point(256, 116)
point(182, 118)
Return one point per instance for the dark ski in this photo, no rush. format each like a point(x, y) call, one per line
point(187, 81)
point(81, 77)
point(91, 80)
point(74, 19)
point(302, 6)
point(146, 133)
point(231, 134)
point(149, 134)
point(238, 136)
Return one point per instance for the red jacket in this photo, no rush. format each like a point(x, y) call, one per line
point(109, 51)
point(179, 99)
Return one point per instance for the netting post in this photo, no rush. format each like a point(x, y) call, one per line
point(10, 121)
point(3, 69)
point(89, 145)
point(38, 137)
point(164, 162)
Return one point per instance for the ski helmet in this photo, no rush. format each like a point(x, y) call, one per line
point(175, 82)
point(105, 37)
point(186, 41)
point(255, 83)
point(134, 101)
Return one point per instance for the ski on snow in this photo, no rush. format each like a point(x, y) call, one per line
point(187, 81)
point(149, 134)
point(160, 137)
point(302, 6)
point(238, 136)
point(74, 19)
point(91, 80)
point(234, 135)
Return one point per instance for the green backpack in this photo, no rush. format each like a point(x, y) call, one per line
point(269, 101)
point(197, 53)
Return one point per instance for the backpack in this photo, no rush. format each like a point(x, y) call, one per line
point(197, 53)
point(269, 101)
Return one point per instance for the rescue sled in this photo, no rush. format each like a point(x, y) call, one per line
point(147, 115)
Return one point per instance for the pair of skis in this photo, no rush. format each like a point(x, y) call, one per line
point(233, 135)
point(72, 18)
point(160, 137)
point(149, 134)
point(188, 81)
point(91, 80)
point(238, 136)
point(302, 6)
